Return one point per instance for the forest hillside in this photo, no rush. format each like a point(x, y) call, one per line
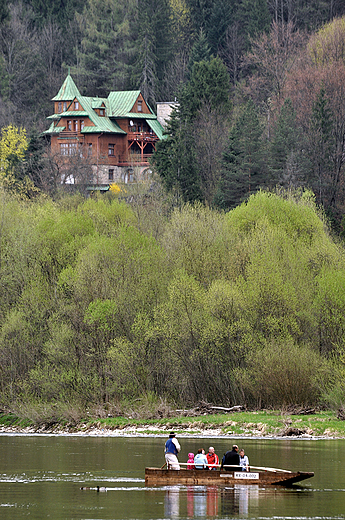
point(259, 86)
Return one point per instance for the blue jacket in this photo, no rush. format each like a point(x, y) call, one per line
point(170, 447)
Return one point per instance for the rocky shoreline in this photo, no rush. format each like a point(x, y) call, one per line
point(153, 431)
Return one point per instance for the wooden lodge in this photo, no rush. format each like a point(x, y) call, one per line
point(116, 135)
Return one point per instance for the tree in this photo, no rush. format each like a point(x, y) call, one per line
point(176, 159)
point(287, 161)
point(13, 144)
point(244, 169)
point(273, 56)
point(105, 55)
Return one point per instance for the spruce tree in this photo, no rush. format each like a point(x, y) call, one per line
point(244, 169)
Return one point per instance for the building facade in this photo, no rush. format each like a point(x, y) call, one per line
point(116, 135)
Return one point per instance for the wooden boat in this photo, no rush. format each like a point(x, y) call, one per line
point(256, 475)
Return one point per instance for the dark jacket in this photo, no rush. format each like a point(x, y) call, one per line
point(231, 458)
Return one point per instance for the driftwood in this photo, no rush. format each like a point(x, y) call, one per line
point(204, 408)
point(341, 414)
point(300, 410)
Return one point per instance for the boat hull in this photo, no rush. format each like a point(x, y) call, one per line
point(188, 477)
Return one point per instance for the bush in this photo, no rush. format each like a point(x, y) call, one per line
point(286, 374)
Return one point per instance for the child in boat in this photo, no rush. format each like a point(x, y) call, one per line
point(244, 461)
point(190, 461)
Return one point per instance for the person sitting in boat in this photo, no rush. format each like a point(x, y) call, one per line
point(190, 461)
point(231, 458)
point(172, 447)
point(200, 460)
point(244, 461)
point(212, 458)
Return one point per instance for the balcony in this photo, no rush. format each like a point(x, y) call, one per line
point(142, 137)
point(135, 158)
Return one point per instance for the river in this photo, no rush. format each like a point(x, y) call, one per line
point(41, 477)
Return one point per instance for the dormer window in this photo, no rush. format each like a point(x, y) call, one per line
point(140, 106)
point(76, 105)
point(101, 111)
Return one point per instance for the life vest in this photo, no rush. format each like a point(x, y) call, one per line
point(170, 447)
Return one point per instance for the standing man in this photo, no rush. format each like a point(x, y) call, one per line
point(232, 458)
point(172, 447)
point(212, 458)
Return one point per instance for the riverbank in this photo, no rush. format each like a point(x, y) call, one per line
point(264, 424)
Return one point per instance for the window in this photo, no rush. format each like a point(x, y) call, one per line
point(68, 148)
point(76, 105)
point(64, 106)
point(111, 175)
point(73, 149)
point(82, 125)
point(140, 106)
point(111, 149)
point(89, 150)
point(75, 126)
point(64, 148)
point(69, 126)
point(140, 128)
point(59, 107)
point(128, 176)
point(101, 112)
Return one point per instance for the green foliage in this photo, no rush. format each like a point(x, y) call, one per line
point(238, 307)
point(286, 374)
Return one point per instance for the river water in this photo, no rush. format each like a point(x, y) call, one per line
point(41, 477)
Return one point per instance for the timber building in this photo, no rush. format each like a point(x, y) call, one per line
point(116, 135)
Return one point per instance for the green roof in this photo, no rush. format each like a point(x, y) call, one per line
point(68, 90)
point(102, 123)
point(120, 104)
point(54, 129)
point(156, 127)
point(117, 105)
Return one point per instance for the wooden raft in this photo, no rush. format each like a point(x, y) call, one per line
point(166, 477)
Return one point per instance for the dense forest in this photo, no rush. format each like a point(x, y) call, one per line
point(102, 303)
point(260, 87)
point(222, 278)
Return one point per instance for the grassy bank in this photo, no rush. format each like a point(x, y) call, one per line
point(261, 423)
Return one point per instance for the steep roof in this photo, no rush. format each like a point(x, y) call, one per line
point(120, 104)
point(102, 123)
point(68, 90)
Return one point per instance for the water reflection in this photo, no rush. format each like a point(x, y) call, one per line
point(209, 501)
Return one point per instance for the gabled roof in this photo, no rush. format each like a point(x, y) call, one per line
point(102, 123)
point(68, 90)
point(121, 103)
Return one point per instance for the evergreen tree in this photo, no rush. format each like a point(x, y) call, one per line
point(210, 84)
point(176, 157)
point(200, 50)
point(175, 160)
point(107, 46)
point(286, 138)
point(244, 169)
point(322, 144)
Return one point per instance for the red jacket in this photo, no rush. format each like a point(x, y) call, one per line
point(212, 459)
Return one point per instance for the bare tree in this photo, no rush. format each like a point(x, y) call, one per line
point(273, 56)
point(232, 50)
